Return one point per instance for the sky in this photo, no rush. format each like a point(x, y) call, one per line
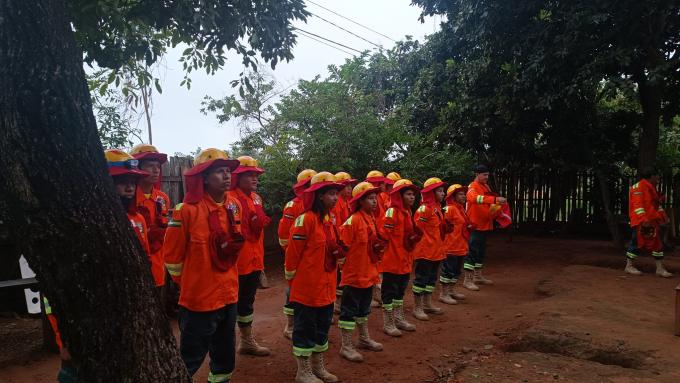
point(179, 126)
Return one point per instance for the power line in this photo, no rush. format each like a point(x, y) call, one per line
point(348, 31)
point(325, 43)
point(350, 20)
point(329, 40)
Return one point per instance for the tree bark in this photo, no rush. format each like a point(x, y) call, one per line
point(650, 99)
point(61, 207)
point(612, 222)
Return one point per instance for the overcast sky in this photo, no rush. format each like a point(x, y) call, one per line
point(179, 126)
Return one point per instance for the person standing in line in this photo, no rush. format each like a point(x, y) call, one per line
point(456, 243)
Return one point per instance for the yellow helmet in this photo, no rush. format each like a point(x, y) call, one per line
point(247, 161)
point(210, 154)
point(375, 174)
point(431, 184)
point(323, 177)
point(305, 175)
point(148, 152)
point(403, 184)
point(248, 164)
point(361, 188)
point(121, 163)
point(453, 189)
point(143, 148)
point(342, 176)
point(394, 176)
point(117, 155)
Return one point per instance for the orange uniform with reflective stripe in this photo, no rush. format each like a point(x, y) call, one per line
point(310, 283)
point(139, 225)
point(292, 210)
point(479, 201)
point(644, 204)
point(456, 242)
point(429, 219)
point(251, 257)
point(157, 204)
point(187, 255)
point(341, 211)
point(392, 227)
point(358, 270)
point(383, 204)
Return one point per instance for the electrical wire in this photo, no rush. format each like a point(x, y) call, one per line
point(348, 31)
point(329, 40)
point(325, 43)
point(350, 20)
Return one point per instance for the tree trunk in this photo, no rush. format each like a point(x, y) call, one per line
point(612, 222)
point(651, 93)
point(59, 204)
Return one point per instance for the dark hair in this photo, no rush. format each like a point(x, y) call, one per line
point(317, 206)
point(481, 169)
point(648, 171)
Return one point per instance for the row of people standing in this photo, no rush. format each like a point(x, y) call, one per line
point(377, 247)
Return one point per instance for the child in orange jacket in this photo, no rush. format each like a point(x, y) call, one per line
point(342, 212)
point(429, 219)
point(293, 209)
point(360, 270)
point(201, 250)
point(402, 236)
point(455, 243)
point(312, 255)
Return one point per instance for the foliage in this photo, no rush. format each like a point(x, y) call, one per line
point(115, 116)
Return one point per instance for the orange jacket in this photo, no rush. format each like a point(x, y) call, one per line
point(312, 283)
point(456, 242)
point(644, 204)
point(341, 211)
point(139, 225)
point(479, 201)
point(187, 255)
point(251, 257)
point(394, 226)
point(383, 204)
point(359, 270)
point(429, 218)
point(292, 210)
point(154, 208)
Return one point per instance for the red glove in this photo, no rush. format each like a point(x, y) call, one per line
point(156, 236)
point(412, 238)
point(376, 248)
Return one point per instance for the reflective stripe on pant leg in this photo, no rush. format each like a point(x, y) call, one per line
point(347, 325)
point(658, 255)
point(631, 255)
point(398, 302)
point(298, 351)
point(288, 311)
point(478, 265)
point(417, 290)
point(388, 306)
point(361, 320)
point(429, 288)
point(321, 347)
point(246, 319)
point(218, 378)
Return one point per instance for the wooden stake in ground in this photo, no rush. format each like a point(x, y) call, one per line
point(677, 310)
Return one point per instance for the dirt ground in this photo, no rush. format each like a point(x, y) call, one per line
point(560, 311)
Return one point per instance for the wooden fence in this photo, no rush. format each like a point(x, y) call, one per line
point(173, 183)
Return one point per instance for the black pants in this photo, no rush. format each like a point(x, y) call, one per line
point(393, 289)
point(426, 276)
point(476, 251)
point(451, 268)
point(247, 288)
point(312, 324)
point(208, 332)
point(355, 306)
point(287, 307)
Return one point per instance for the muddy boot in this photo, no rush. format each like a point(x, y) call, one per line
point(661, 270)
point(304, 371)
point(400, 320)
point(288, 330)
point(428, 307)
point(263, 282)
point(445, 295)
point(418, 310)
point(249, 346)
point(365, 341)
point(389, 326)
point(631, 269)
point(347, 349)
point(454, 294)
point(469, 281)
point(319, 369)
point(479, 278)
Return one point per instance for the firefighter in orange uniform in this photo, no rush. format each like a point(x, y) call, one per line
point(429, 218)
point(480, 199)
point(201, 250)
point(153, 205)
point(251, 260)
point(456, 243)
point(390, 179)
point(378, 179)
point(291, 211)
point(342, 213)
point(646, 217)
point(398, 228)
point(360, 270)
point(313, 252)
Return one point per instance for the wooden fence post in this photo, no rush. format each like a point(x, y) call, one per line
point(677, 310)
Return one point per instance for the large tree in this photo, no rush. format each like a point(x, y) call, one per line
point(57, 204)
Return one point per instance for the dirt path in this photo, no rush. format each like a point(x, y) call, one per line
point(561, 310)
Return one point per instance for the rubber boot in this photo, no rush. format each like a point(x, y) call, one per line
point(249, 346)
point(661, 270)
point(288, 330)
point(469, 281)
point(418, 310)
point(347, 349)
point(365, 341)
point(389, 326)
point(319, 369)
point(480, 279)
point(456, 295)
point(428, 307)
point(400, 320)
point(376, 301)
point(445, 295)
point(304, 371)
point(631, 269)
